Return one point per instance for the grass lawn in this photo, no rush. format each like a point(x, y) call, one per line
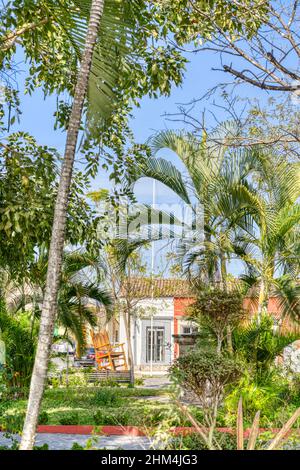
point(93, 406)
point(100, 406)
point(104, 405)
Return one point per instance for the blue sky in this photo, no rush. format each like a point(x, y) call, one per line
point(37, 114)
point(37, 119)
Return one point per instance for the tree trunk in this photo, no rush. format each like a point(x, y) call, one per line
point(58, 234)
point(219, 344)
point(262, 300)
point(224, 284)
point(128, 337)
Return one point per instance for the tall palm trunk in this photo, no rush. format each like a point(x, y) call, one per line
point(224, 284)
point(127, 321)
point(58, 234)
point(263, 300)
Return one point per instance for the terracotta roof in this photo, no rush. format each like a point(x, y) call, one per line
point(146, 287)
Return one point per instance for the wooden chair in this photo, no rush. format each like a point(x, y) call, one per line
point(108, 356)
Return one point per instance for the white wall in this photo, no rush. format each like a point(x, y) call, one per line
point(160, 308)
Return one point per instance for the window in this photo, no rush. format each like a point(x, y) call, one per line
point(187, 330)
point(156, 345)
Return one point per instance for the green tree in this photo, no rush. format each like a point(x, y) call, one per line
point(80, 293)
point(259, 344)
point(217, 313)
point(207, 375)
point(29, 176)
point(58, 234)
point(251, 213)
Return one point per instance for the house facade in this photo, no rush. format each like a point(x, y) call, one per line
point(160, 315)
point(159, 324)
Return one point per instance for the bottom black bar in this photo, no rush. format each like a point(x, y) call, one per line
point(136, 459)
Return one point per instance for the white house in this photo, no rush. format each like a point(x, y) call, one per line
point(159, 317)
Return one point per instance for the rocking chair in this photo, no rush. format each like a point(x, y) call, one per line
point(108, 356)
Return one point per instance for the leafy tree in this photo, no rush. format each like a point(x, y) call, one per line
point(28, 186)
point(266, 58)
point(58, 234)
point(79, 297)
point(218, 313)
point(259, 344)
point(249, 200)
point(129, 61)
point(206, 375)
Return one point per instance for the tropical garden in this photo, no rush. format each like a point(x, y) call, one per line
point(100, 63)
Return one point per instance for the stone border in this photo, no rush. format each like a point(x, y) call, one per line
point(133, 431)
point(98, 430)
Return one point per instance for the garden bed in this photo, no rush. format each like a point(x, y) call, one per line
point(90, 406)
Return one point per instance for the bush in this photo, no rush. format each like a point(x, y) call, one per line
point(274, 396)
point(108, 383)
point(69, 419)
point(20, 349)
point(13, 422)
point(43, 417)
point(195, 442)
point(200, 371)
point(3, 385)
point(122, 418)
point(107, 397)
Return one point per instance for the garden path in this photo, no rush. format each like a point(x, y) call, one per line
point(66, 441)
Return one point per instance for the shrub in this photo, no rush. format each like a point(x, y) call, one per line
point(138, 381)
point(121, 418)
point(74, 379)
point(13, 422)
point(108, 383)
point(42, 447)
point(195, 442)
point(20, 350)
point(69, 418)
point(206, 374)
point(106, 397)
point(200, 371)
point(43, 417)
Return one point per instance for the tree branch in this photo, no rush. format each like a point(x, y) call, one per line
point(257, 83)
point(8, 41)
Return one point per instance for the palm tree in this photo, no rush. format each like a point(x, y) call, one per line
point(49, 308)
point(79, 293)
point(212, 173)
point(249, 198)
